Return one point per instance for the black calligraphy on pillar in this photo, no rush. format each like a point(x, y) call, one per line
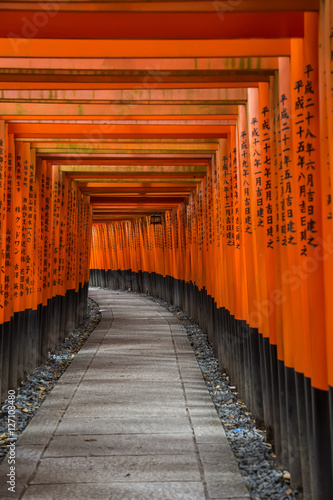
point(267, 176)
point(245, 182)
point(227, 194)
point(216, 200)
point(287, 225)
point(300, 151)
point(310, 155)
point(257, 186)
point(235, 200)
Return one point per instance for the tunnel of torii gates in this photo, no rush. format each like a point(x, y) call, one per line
point(216, 115)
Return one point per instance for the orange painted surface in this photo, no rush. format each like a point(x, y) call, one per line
point(99, 131)
point(315, 266)
point(104, 25)
point(31, 47)
point(162, 6)
point(221, 119)
point(157, 84)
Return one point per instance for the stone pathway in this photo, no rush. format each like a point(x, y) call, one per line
point(131, 418)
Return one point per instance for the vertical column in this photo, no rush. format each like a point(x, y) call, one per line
point(295, 278)
point(324, 251)
point(9, 267)
point(3, 201)
point(313, 217)
point(39, 232)
point(258, 208)
point(4, 334)
point(46, 174)
point(320, 446)
point(222, 193)
point(62, 233)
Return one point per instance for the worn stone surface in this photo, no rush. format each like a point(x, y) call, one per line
point(126, 424)
point(119, 468)
point(120, 444)
point(125, 491)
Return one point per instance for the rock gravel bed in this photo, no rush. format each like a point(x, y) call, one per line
point(32, 392)
point(263, 477)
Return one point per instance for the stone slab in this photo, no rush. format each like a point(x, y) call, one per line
point(26, 460)
point(120, 444)
point(149, 343)
point(207, 426)
point(130, 424)
point(126, 469)
point(116, 491)
point(40, 429)
point(90, 386)
point(144, 357)
point(225, 485)
point(80, 410)
point(144, 374)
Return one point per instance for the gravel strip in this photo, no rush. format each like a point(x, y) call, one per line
point(32, 392)
point(263, 476)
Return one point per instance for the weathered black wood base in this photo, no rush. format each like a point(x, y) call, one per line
point(27, 338)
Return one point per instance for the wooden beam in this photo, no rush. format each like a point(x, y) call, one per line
point(32, 47)
point(32, 130)
point(150, 25)
point(124, 110)
point(58, 85)
point(109, 96)
point(161, 6)
point(138, 170)
point(132, 185)
point(105, 147)
point(144, 66)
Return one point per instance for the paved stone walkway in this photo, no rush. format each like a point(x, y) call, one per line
point(131, 418)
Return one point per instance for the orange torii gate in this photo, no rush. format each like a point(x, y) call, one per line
point(226, 131)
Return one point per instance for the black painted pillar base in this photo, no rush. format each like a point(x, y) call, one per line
point(27, 338)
